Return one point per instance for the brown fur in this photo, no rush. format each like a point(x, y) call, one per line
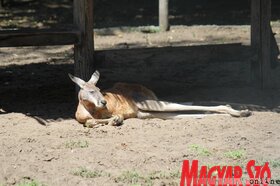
point(120, 102)
point(125, 101)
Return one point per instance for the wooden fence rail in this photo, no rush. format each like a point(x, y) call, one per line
point(15, 38)
point(82, 38)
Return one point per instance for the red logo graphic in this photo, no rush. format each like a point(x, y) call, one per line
point(225, 175)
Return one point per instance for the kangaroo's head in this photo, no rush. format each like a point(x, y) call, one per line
point(89, 92)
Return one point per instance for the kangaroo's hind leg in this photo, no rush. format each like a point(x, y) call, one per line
point(172, 115)
point(163, 106)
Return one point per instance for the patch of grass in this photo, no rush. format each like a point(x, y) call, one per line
point(275, 163)
point(209, 166)
point(151, 29)
point(201, 151)
point(86, 173)
point(164, 175)
point(76, 144)
point(30, 183)
point(275, 23)
point(134, 178)
point(219, 40)
point(193, 35)
point(175, 175)
point(236, 154)
point(272, 163)
point(130, 177)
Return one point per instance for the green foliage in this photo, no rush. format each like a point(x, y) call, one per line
point(201, 151)
point(130, 177)
point(236, 154)
point(275, 163)
point(86, 173)
point(30, 183)
point(164, 175)
point(272, 163)
point(151, 29)
point(76, 144)
point(134, 178)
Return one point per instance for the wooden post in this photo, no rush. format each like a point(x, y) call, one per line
point(261, 41)
point(1, 4)
point(266, 43)
point(256, 40)
point(163, 15)
point(84, 51)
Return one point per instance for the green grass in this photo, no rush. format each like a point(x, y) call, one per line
point(30, 183)
point(235, 154)
point(76, 144)
point(86, 173)
point(151, 29)
point(201, 151)
point(164, 175)
point(130, 177)
point(275, 23)
point(274, 163)
point(134, 178)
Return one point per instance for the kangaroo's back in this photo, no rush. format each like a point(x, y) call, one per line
point(122, 99)
point(134, 92)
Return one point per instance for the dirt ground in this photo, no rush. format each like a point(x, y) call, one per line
point(42, 144)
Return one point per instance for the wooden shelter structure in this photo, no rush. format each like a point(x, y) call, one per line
point(82, 38)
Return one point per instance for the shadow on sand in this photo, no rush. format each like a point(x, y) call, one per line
point(45, 92)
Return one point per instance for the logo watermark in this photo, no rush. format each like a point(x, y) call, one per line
point(257, 175)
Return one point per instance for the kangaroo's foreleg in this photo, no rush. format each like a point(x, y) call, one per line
point(114, 120)
point(163, 106)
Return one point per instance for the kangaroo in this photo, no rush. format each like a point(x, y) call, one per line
point(124, 101)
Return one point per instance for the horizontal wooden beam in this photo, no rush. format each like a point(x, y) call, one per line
point(195, 66)
point(14, 38)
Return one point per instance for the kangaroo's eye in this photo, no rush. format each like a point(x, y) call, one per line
point(92, 91)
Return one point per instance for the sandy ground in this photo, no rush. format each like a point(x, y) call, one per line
point(138, 152)
point(41, 142)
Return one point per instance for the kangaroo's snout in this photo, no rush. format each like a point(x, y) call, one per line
point(103, 102)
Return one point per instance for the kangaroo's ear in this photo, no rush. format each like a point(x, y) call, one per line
point(94, 78)
point(77, 80)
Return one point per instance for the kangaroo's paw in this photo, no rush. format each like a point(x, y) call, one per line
point(94, 123)
point(89, 124)
point(241, 113)
point(227, 109)
point(116, 120)
point(245, 113)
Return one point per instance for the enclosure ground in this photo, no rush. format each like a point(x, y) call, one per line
point(41, 141)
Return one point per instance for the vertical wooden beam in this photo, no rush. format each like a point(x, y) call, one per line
point(266, 43)
point(261, 41)
point(256, 40)
point(163, 15)
point(1, 4)
point(84, 51)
